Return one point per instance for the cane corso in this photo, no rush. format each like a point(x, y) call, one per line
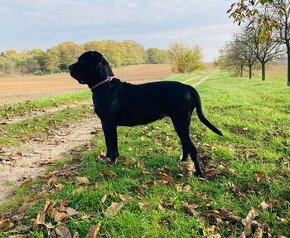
point(123, 104)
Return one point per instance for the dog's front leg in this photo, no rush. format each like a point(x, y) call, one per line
point(110, 132)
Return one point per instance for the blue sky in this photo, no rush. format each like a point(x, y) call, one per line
point(27, 24)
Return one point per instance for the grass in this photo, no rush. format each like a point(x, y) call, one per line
point(39, 128)
point(243, 169)
point(19, 109)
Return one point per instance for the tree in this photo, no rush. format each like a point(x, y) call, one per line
point(265, 51)
point(279, 18)
point(247, 54)
point(68, 52)
point(156, 56)
point(184, 59)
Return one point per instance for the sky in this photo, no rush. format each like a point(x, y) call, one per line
point(27, 24)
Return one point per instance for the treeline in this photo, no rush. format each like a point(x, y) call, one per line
point(264, 36)
point(58, 58)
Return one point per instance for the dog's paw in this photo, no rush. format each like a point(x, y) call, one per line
point(199, 175)
point(113, 161)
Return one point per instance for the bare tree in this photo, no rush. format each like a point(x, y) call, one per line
point(245, 52)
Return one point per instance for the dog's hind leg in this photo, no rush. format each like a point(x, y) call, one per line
point(181, 124)
point(110, 132)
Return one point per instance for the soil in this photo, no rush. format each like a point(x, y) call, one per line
point(16, 89)
point(26, 162)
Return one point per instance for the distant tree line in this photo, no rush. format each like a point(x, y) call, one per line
point(58, 58)
point(265, 36)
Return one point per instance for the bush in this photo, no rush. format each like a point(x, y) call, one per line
point(184, 59)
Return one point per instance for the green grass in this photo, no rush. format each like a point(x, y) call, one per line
point(248, 165)
point(19, 109)
point(40, 127)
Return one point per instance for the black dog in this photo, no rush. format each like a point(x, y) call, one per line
point(122, 104)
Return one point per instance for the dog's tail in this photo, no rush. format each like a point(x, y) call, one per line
point(199, 113)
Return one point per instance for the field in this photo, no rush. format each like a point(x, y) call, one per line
point(16, 89)
point(149, 193)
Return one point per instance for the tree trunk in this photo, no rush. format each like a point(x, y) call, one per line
point(263, 70)
point(250, 71)
point(242, 69)
point(288, 63)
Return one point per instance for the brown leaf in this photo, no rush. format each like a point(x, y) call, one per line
point(265, 205)
point(164, 179)
point(82, 180)
point(190, 208)
point(71, 212)
point(249, 220)
point(259, 232)
point(107, 174)
point(222, 214)
point(145, 206)
point(104, 198)
point(51, 182)
point(182, 188)
point(139, 191)
point(131, 161)
point(6, 224)
point(76, 235)
point(261, 177)
point(94, 231)
point(125, 198)
point(40, 218)
point(62, 232)
point(114, 208)
point(58, 217)
point(236, 190)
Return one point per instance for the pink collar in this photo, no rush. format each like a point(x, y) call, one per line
point(108, 79)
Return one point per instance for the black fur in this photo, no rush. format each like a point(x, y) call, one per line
point(122, 104)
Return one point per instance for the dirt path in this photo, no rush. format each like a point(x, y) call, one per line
point(30, 160)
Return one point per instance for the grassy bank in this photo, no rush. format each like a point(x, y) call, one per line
point(150, 194)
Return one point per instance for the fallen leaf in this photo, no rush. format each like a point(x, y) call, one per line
point(261, 177)
point(82, 180)
point(259, 232)
point(51, 182)
point(131, 161)
point(265, 205)
point(236, 190)
point(40, 218)
point(104, 198)
point(145, 206)
point(222, 214)
point(107, 174)
point(125, 198)
point(62, 232)
point(190, 208)
point(71, 212)
point(139, 191)
point(164, 179)
point(76, 235)
point(182, 188)
point(249, 220)
point(114, 208)
point(93, 231)
point(6, 224)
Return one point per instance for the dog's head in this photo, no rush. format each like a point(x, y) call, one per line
point(91, 68)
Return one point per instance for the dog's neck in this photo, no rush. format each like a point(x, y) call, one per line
point(108, 79)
